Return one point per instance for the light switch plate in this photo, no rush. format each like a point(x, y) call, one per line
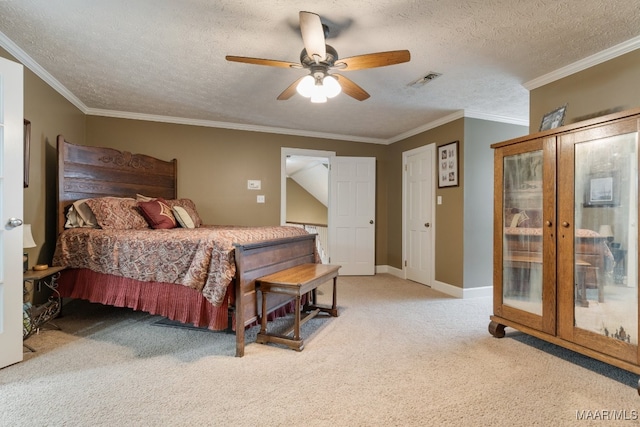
point(260, 199)
point(439, 200)
point(254, 184)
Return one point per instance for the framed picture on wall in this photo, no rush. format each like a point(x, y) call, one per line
point(602, 190)
point(448, 165)
point(27, 150)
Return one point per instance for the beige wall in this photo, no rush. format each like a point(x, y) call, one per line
point(449, 220)
point(214, 166)
point(302, 207)
point(605, 88)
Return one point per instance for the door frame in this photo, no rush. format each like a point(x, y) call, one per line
point(287, 151)
point(432, 262)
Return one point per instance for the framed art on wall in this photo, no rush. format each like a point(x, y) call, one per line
point(448, 165)
point(27, 150)
point(602, 190)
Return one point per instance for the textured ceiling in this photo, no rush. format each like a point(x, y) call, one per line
point(165, 59)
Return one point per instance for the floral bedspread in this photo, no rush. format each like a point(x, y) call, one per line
point(201, 258)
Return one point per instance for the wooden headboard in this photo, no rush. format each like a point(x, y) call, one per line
point(86, 172)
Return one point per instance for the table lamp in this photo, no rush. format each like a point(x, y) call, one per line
point(27, 242)
point(606, 232)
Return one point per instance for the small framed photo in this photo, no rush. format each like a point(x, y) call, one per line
point(448, 165)
point(553, 119)
point(602, 190)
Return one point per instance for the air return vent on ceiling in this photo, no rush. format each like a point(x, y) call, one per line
point(431, 75)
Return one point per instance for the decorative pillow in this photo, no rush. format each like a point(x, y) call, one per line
point(515, 220)
point(143, 198)
point(80, 215)
point(522, 218)
point(183, 218)
point(158, 214)
point(118, 213)
point(188, 206)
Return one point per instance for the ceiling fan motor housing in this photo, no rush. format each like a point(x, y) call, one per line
point(330, 59)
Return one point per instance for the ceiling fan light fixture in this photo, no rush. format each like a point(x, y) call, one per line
point(318, 94)
point(331, 86)
point(306, 85)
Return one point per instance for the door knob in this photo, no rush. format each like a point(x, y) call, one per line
point(427, 225)
point(548, 223)
point(14, 222)
point(565, 224)
point(370, 221)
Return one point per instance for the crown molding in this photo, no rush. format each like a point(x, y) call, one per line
point(227, 125)
point(590, 61)
point(32, 65)
point(471, 114)
point(431, 125)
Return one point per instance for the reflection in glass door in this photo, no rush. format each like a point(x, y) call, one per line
point(522, 236)
point(606, 243)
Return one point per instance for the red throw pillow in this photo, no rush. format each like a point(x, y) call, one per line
point(158, 214)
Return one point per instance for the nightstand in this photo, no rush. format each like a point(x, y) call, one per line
point(36, 316)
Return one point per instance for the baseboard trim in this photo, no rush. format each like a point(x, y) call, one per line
point(390, 270)
point(445, 288)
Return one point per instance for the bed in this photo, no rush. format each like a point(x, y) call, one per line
point(194, 273)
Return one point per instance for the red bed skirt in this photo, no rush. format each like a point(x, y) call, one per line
point(175, 302)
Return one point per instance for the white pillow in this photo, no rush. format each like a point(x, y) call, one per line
point(80, 215)
point(183, 217)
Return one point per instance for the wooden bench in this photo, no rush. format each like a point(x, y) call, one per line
point(296, 282)
point(526, 261)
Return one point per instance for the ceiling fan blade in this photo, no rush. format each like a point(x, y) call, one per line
point(313, 35)
point(350, 88)
point(290, 91)
point(259, 61)
point(373, 60)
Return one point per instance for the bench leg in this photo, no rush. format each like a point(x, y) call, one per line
point(312, 303)
point(296, 328)
point(581, 291)
point(263, 318)
point(335, 297)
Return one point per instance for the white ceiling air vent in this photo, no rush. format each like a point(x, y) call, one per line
point(431, 75)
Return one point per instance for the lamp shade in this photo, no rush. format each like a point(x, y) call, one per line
point(27, 237)
point(331, 86)
point(605, 231)
point(305, 87)
point(318, 87)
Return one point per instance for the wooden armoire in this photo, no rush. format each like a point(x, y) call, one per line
point(566, 237)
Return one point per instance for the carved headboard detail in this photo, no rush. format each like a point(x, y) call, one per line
point(86, 172)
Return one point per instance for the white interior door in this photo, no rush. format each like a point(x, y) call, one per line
point(419, 214)
point(11, 195)
point(352, 197)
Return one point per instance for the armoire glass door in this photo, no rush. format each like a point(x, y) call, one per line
point(522, 242)
point(604, 247)
point(525, 248)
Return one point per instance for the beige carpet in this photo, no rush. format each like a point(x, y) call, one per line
point(400, 354)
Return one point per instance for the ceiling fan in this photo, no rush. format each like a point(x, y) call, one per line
point(320, 58)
